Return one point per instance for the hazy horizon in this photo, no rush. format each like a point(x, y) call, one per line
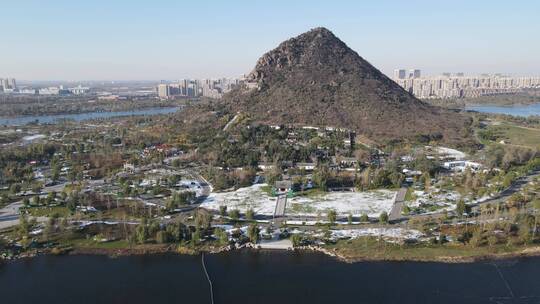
point(135, 41)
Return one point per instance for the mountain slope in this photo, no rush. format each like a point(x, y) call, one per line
point(316, 79)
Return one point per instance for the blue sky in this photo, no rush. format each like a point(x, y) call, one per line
point(152, 40)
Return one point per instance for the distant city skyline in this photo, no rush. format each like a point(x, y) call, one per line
point(141, 40)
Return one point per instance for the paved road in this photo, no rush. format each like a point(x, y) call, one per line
point(499, 198)
point(9, 215)
point(514, 188)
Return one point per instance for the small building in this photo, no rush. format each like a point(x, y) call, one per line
point(283, 186)
point(286, 164)
point(461, 165)
point(348, 161)
point(409, 172)
point(306, 166)
point(266, 166)
point(129, 167)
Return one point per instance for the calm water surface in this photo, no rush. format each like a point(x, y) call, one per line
point(22, 120)
point(264, 277)
point(518, 110)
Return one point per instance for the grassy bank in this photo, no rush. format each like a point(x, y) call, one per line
point(371, 249)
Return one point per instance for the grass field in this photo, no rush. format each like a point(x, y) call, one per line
point(368, 248)
point(49, 211)
point(89, 243)
point(516, 135)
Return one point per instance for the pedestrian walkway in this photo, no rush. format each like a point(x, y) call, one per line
point(399, 202)
point(281, 203)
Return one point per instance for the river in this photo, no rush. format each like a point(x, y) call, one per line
point(516, 110)
point(264, 277)
point(22, 120)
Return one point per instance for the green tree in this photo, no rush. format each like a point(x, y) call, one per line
point(536, 207)
point(525, 231)
point(37, 187)
point(321, 177)
point(221, 236)
point(349, 219)
point(141, 232)
point(461, 208)
point(223, 210)
point(253, 233)
point(250, 214)
point(296, 239)
point(383, 217)
point(196, 236)
point(234, 214)
point(176, 231)
point(55, 172)
point(406, 210)
point(15, 188)
point(332, 216)
point(426, 178)
point(26, 202)
point(23, 229)
point(364, 218)
point(203, 219)
point(162, 237)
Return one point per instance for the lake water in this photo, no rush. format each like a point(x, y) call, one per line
point(22, 120)
point(518, 110)
point(264, 277)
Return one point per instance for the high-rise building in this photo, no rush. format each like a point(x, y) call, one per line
point(163, 91)
point(5, 84)
point(8, 84)
point(400, 74)
point(414, 73)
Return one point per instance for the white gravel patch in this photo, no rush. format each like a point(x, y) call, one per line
point(393, 233)
point(458, 155)
point(372, 203)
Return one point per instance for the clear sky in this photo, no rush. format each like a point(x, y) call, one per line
point(152, 40)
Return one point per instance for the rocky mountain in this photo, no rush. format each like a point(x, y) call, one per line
point(316, 79)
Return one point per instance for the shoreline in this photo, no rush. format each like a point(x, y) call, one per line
point(525, 253)
point(529, 252)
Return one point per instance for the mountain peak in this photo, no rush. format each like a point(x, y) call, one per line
point(316, 79)
point(319, 32)
point(318, 46)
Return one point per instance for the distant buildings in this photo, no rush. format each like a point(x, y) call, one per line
point(213, 88)
point(460, 86)
point(79, 90)
point(8, 85)
point(402, 74)
point(414, 74)
point(163, 91)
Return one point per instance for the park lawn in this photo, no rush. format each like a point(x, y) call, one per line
point(409, 196)
point(313, 192)
point(49, 211)
point(517, 135)
point(367, 248)
point(118, 214)
point(90, 243)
